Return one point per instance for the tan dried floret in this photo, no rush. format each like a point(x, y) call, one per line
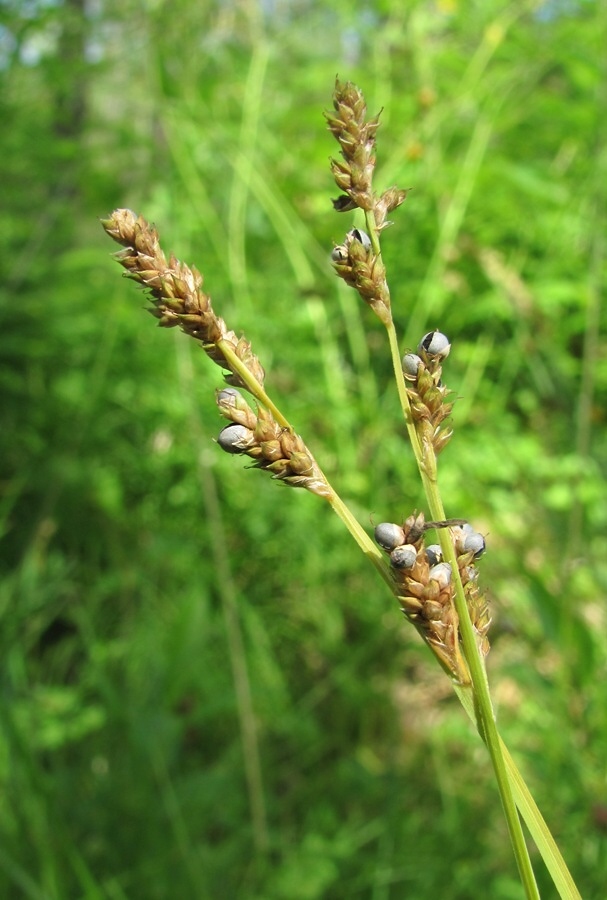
point(176, 293)
point(426, 594)
point(273, 448)
point(428, 399)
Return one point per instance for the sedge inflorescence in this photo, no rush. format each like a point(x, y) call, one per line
point(275, 449)
point(424, 585)
point(422, 581)
point(175, 293)
point(357, 260)
point(177, 300)
point(436, 584)
point(427, 394)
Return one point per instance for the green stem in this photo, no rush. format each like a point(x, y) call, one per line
point(508, 777)
point(485, 720)
point(371, 550)
point(235, 365)
point(533, 818)
point(540, 832)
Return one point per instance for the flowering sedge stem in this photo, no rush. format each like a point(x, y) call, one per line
point(478, 706)
point(485, 721)
point(482, 706)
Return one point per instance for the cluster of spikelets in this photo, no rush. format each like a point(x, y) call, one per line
point(361, 268)
point(273, 448)
point(424, 586)
point(356, 260)
point(356, 137)
point(177, 299)
point(430, 587)
point(176, 293)
point(426, 392)
point(422, 582)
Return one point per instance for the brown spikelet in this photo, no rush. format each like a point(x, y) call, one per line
point(273, 448)
point(360, 267)
point(358, 260)
point(425, 589)
point(175, 292)
point(356, 137)
point(353, 174)
point(428, 397)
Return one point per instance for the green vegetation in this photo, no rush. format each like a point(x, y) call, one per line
point(169, 618)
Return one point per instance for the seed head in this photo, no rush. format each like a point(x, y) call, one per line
point(236, 438)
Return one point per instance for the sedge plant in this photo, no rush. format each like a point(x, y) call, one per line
point(436, 585)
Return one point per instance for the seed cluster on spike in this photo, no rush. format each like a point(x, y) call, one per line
point(427, 394)
point(424, 587)
point(362, 269)
point(356, 137)
point(272, 448)
point(356, 260)
point(176, 293)
point(354, 172)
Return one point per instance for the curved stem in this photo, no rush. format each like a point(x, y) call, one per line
point(253, 386)
point(371, 550)
point(540, 832)
point(532, 816)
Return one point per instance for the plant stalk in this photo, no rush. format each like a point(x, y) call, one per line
point(483, 709)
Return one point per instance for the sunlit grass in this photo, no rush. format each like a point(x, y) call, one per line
point(123, 747)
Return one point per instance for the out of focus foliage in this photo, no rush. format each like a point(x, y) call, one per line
point(169, 618)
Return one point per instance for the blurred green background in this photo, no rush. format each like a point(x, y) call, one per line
point(206, 691)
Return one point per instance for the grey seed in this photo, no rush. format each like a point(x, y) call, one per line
point(228, 395)
point(388, 535)
point(232, 435)
point(403, 557)
point(434, 554)
point(475, 542)
point(339, 254)
point(357, 234)
point(435, 343)
point(411, 363)
point(441, 573)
